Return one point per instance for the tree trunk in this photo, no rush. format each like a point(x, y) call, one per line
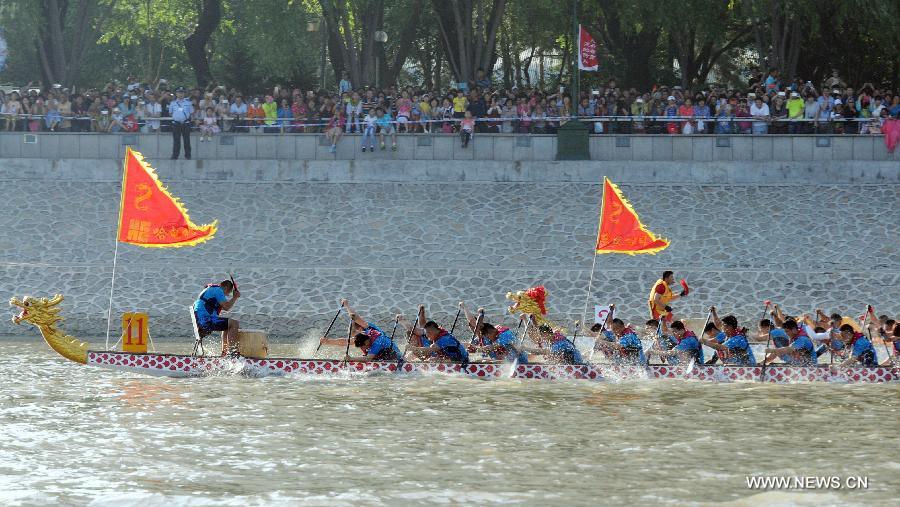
point(61, 55)
point(195, 44)
point(408, 35)
point(468, 40)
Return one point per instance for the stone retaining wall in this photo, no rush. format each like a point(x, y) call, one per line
point(297, 245)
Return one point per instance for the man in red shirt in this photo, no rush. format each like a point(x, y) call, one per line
point(661, 295)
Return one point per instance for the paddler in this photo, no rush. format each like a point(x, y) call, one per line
point(560, 349)
point(661, 341)
point(861, 349)
point(375, 344)
point(212, 301)
point(687, 345)
point(731, 340)
point(661, 296)
point(799, 349)
point(496, 342)
point(441, 344)
point(621, 343)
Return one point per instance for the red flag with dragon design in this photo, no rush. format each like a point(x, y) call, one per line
point(149, 215)
point(621, 231)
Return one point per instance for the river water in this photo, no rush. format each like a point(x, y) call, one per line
point(73, 435)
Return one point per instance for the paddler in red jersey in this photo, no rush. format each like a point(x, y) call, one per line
point(661, 296)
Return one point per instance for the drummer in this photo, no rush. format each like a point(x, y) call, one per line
point(209, 304)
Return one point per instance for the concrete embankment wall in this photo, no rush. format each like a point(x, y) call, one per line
point(390, 234)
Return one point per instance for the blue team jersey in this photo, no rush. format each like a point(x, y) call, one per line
point(383, 349)
point(634, 349)
point(567, 352)
point(689, 343)
point(508, 341)
point(373, 330)
point(206, 304)
point(779, 338)
point(864, 352)
point(806, 351)
point(452, 349)
point(741, 353)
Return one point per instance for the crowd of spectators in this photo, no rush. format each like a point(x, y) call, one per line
point(766, 106)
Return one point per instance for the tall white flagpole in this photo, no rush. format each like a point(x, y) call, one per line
point(112, 283)
point(112, 287)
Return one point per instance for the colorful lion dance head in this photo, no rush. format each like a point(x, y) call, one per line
point(530, 302)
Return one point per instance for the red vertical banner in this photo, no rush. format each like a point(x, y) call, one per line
point(587, 51)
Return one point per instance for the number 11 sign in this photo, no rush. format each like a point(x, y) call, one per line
point(135, 332)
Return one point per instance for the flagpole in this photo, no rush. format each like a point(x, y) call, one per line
point(587, 298)
point(575, 54)
point(112, 282)
point(112, 287)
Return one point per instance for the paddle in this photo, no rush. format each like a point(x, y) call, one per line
point(658, 342)
point(762, 371)
point(349, 332)
point(693, 362)
point(478, 321)
point(396, 321)
point(521, 340)
point(870, 310)
point(605, 322)
point(408, 339)
point(454, 321)
point(329, 329)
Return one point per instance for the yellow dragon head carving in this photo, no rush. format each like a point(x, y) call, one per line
point(530, 302)
point(44, 313)
point(38, 311)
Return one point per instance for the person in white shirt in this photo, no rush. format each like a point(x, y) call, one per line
point(152, 111)
point(759, 110)
point(369, 123)
point(238, 113)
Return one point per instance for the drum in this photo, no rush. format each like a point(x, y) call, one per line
point(253, 343)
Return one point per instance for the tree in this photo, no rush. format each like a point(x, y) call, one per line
point(58, 31)
point(630, 33)
point(352, 25)
point(195, 44)
point(468, 31)
point(703, 35)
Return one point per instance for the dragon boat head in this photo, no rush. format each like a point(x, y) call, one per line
point(37, 311)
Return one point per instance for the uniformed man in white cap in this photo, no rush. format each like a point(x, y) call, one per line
point(180, 110)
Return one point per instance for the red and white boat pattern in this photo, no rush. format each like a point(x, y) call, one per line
point(171, 365)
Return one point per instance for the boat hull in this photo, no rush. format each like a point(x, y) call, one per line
point(180, 366)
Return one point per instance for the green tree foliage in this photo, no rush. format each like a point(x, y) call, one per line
point(252, 45)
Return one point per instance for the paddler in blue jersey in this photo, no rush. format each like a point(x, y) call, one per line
point(441, 344)
point(687, 345)
point(621, 343)
point(731, 340)
point(560, 350)
point(365, 335)
point(793, 345)
point(861, 349)
point(497, 342)
point(209, 304)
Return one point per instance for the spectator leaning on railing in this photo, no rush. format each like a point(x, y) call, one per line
point(773, 107)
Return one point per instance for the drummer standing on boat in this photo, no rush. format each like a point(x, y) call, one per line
point(209, 304)
point(661, 296)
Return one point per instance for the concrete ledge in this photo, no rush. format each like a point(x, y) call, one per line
point(386, 171)
point(497, 147)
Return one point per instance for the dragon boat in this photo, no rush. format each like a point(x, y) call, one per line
point(44, 313)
